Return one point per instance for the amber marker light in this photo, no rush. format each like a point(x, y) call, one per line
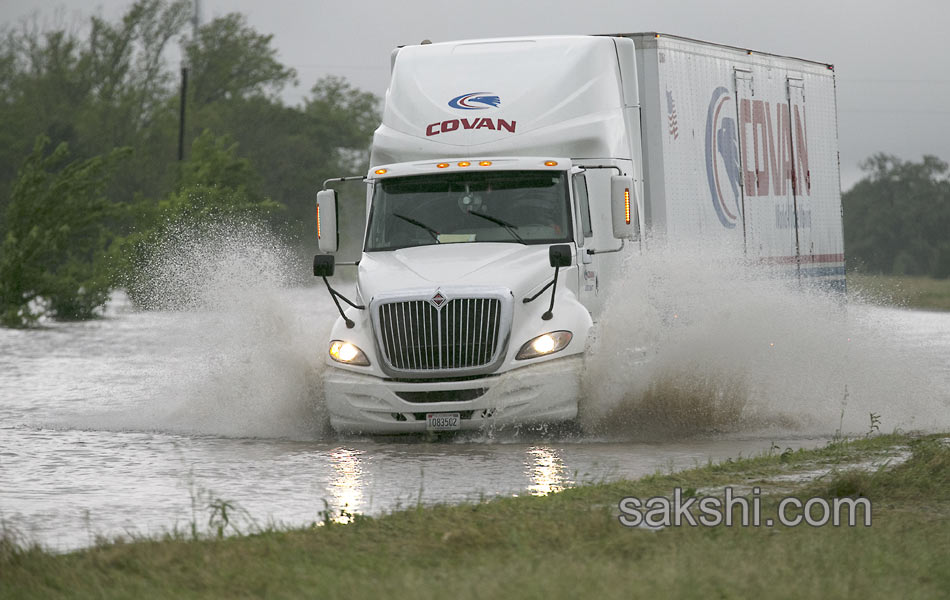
point(550, 163)
point(381, 171)
point(485, 163)
point(626, 205)
point(465, 163)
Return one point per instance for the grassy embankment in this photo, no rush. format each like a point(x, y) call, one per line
point(908, 292)
point(568, 544)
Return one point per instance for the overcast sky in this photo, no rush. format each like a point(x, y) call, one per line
point(892, 58)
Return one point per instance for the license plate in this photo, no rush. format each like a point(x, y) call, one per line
point(443, 422)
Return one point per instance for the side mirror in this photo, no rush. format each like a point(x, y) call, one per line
point(623, 208)
point(327, 232)
point(323, 265)
point(560, 255)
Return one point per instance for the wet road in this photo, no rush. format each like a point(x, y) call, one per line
point(139, 421)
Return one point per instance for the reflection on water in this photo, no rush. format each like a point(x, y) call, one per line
point(347, 484)
point(545, 470)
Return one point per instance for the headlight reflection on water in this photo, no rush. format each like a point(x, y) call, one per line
point(346, 485)
point(545, 470)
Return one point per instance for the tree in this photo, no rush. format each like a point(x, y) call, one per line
point(897, 217)
point(229, 60)
point(296, 148)
point(236, 78)
point(113, 87)
point(54, 243)
point(133, 93)
point(110, 89)
point(343, 118)
point(217, 182)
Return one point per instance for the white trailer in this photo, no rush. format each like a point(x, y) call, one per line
point(742, 145)
point(510, 176)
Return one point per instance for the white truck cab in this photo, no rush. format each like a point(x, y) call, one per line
point(507, 180)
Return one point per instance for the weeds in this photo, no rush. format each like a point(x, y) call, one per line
point(785, 456)
point(839, 434)
point(219, 519)
point(11, 543)
point(220, 513)
point(342, 516)
point(875, 424)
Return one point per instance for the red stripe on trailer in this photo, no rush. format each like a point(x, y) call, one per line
point(808, 258)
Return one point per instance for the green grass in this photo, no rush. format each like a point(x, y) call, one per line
point(905, 291)
point(568, 544)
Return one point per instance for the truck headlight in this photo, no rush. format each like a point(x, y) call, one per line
point(347, 353)
point(545, 344)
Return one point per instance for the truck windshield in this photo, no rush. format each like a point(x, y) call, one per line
point(520, 207)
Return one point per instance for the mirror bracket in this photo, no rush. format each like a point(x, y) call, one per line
point(559, 256)
point(323, 267)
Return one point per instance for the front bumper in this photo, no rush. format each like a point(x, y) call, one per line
point(543, 393)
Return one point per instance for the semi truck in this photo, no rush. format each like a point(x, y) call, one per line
point(512, 180)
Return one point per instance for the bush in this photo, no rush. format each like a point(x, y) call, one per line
point(55, 239)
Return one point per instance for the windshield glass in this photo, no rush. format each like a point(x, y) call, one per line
point(520, 207)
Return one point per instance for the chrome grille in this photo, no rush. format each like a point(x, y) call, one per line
point(464, 334)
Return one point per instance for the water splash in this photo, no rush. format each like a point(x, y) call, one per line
point(248, 361)
point(693, 345)
point(687, 345)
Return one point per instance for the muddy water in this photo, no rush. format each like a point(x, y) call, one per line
point(98, 434)
point(138, 422)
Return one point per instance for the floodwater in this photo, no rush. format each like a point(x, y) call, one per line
point(141, 421)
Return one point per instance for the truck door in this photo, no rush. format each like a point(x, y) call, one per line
point(587, 274)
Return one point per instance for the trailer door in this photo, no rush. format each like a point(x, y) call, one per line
point(766, 123)
point(744, 94)
point(801, 176)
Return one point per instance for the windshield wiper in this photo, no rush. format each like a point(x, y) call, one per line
point(432, 232)
point(508, 226)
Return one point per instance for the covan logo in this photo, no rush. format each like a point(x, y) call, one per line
point(722, 157)
point(455, 124)
point(466, 101)
point(768, 150)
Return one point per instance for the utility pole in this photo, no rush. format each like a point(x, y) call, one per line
point(181, 111)
point(195, 24)
point(196, 21)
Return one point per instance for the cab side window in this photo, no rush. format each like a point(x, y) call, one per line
point(583, 207)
